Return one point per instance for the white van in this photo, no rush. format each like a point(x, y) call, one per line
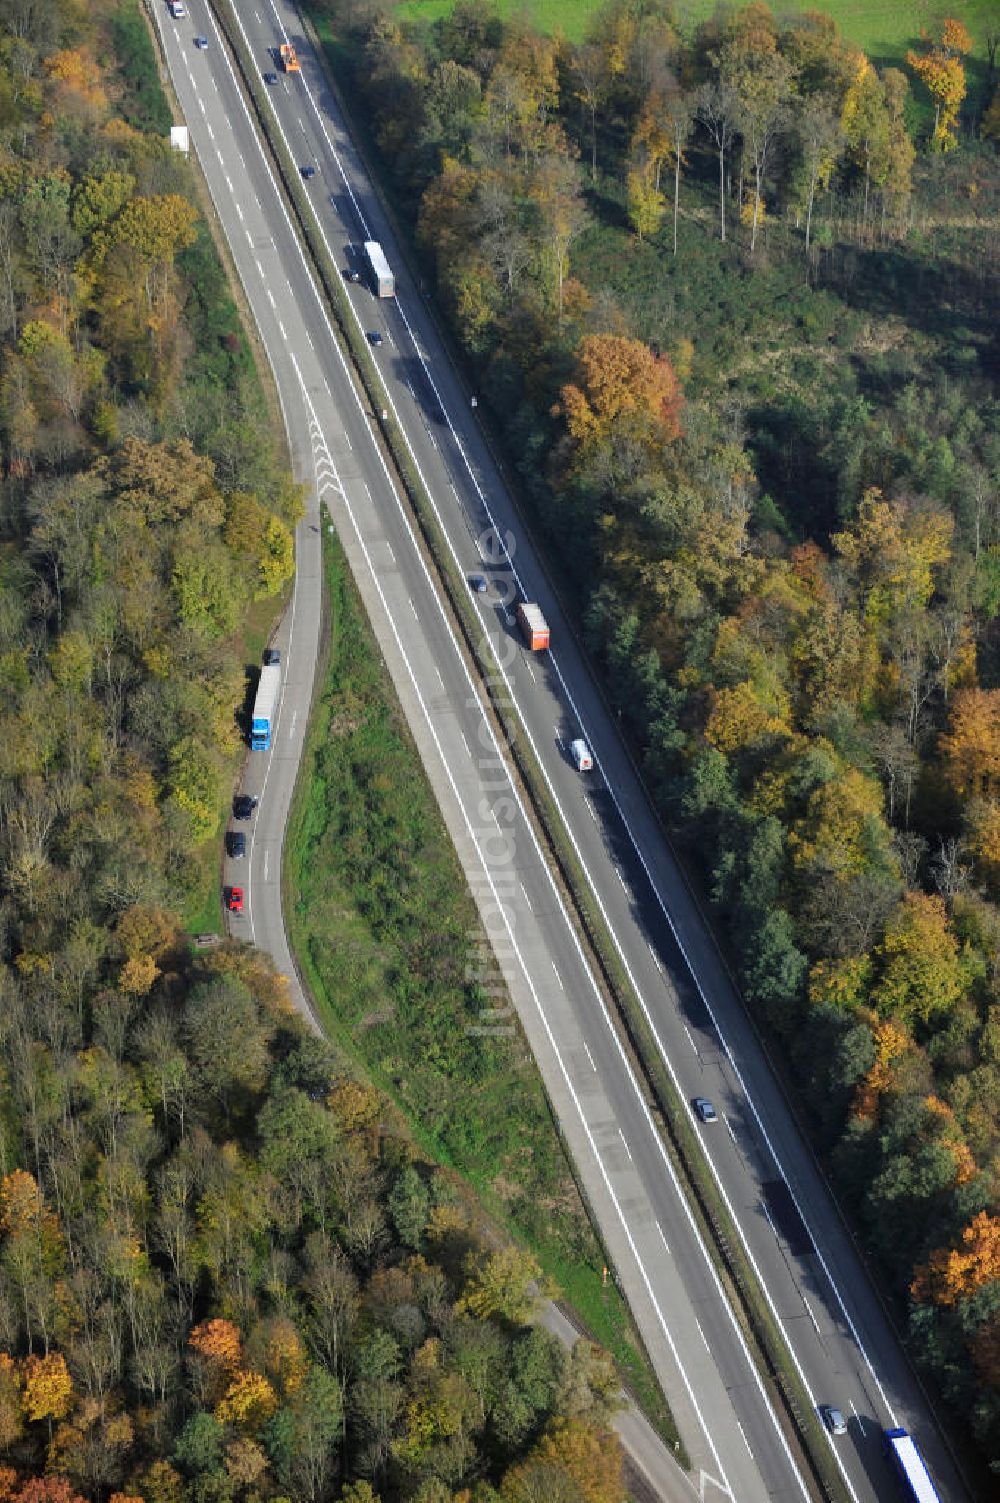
point(580, 752)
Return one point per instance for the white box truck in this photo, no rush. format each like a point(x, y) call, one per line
point(580, 752)
point(383, 280)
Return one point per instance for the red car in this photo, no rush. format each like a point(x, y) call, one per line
point(234, 899)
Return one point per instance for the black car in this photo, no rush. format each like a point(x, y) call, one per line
point(478, 583)
point(270, 78)
point(308, 171)
point(243, 805)
point(272, 655)
point(236, 844)
point(375, 338)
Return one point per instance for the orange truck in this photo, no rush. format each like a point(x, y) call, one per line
point(534, 627)
point(289, 60)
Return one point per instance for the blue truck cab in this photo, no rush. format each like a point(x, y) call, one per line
point(265, 708)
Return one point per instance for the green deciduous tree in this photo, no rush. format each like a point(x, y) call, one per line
point(921, 973)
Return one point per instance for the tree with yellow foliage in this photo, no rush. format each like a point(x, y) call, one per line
point(76, 81)
point(844, 830)
point(840, 983)
point(939, 67)
point(501, 1283)
point(355, 1105)
point(573, 1458)
point(741, 717)
point(892, 552)
point(249, 1401)
point(921, 972)
point(892, 1043)
point(47, 1387)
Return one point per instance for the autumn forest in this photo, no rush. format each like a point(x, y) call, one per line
point(730, 294)
point(225, 1272)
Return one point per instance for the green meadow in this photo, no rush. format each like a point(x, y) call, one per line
point(884, 29)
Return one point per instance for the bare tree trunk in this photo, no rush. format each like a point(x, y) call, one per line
point(677, 193)
point(722, 189)
point(756, 208)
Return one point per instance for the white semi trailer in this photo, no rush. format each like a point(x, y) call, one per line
point(383, 280)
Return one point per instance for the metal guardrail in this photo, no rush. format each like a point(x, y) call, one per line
point(723, 1239)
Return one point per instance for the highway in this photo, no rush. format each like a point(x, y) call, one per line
point(817, 1287)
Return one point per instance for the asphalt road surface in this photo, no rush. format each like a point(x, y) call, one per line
point(816, 1285)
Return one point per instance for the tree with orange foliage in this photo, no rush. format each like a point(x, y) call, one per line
point(21, 1202)
point(940, 68)
point(574, 1452)
point(11, 1420)
point(219, 1342)
point(77, 79)
point(955, 1273)
point(47, 1490)
point(971, 748)
point(219, 1352)
point(891, 1043)
point(621, 383)
point(951, 1136)
point(744, 716)
point(47, 1387)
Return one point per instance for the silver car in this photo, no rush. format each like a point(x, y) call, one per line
point(833, 1419)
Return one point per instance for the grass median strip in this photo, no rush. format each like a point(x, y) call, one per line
point(390, 943)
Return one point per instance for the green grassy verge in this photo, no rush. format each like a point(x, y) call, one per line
point(385, 930)
point(883, 28)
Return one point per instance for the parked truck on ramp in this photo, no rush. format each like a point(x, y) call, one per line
point(265, 708)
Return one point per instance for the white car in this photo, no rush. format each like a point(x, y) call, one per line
point(580, 752)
